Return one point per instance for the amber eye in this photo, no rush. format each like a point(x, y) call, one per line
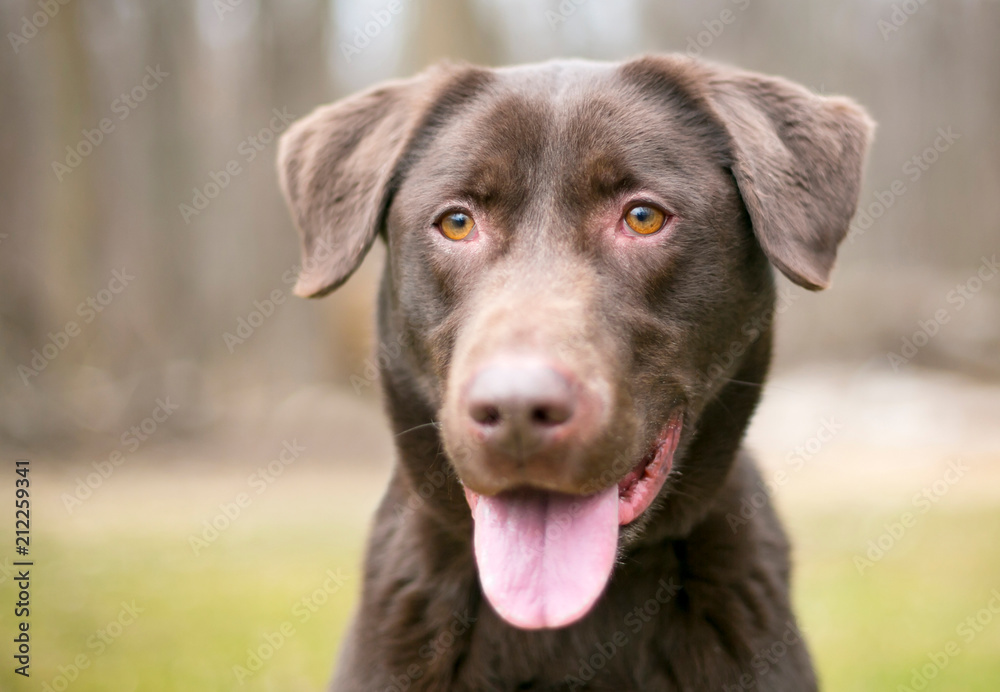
point(456, 225)
point(644, 219)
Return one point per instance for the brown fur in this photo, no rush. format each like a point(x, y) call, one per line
point(756, 170)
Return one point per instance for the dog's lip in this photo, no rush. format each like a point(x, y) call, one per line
point(642, 484)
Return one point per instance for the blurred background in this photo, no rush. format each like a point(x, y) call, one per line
point(206, 449)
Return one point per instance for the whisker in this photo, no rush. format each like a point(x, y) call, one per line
point(749, 384)
point(433, 423)
point(769, 386)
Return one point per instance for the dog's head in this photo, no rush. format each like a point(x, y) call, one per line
point(572, 247)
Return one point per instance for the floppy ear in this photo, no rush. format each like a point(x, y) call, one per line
point(336, 165)
point(797, 159)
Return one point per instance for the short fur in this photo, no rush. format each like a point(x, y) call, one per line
point(757, 172)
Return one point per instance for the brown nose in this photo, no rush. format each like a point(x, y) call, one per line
point(517, 408)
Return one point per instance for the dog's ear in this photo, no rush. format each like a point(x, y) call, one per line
point(336, 166)
point(797, 160)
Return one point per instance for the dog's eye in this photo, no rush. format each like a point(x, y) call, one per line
point(456, 225)
point(644, 219)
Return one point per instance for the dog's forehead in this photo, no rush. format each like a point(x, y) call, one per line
point(571, 105)
point(583, 126)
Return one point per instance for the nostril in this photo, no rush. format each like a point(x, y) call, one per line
point(551, 414)
point(485, 414)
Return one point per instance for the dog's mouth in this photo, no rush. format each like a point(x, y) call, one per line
point(544, 558)
point(638, 489)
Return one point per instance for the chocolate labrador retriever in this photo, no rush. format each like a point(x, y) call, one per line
point(580, 294)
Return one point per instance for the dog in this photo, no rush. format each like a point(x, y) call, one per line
point(580, 290)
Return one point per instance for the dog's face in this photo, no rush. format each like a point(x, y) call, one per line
point(571, 247)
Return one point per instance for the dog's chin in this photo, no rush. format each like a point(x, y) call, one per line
point(544, 558)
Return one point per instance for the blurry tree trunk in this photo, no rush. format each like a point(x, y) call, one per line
point(72, 245)
point(448, 29)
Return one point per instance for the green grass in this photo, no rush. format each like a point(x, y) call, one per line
point(198, 615)
point(201, 614)
point(868, 631)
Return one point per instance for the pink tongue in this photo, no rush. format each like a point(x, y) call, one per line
point(544, 558)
